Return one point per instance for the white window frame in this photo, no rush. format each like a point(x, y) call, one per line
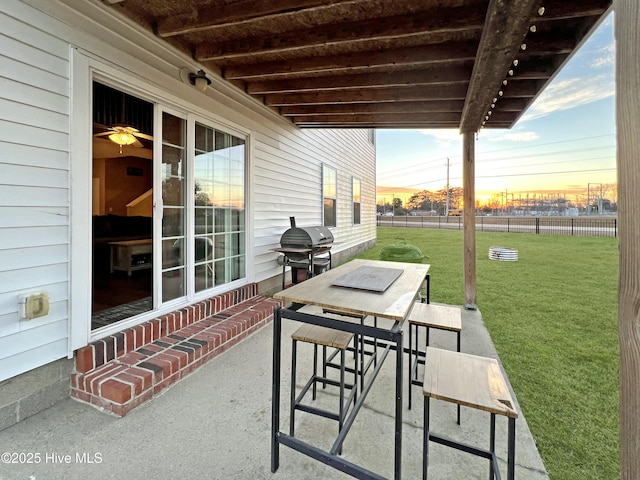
point(354, 202)
point(326, 168)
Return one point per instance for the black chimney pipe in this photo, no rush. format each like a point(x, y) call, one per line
point(292, 221)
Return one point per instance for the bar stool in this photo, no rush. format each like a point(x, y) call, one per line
point(475, 382)
point(429, 315)
point(326, 337)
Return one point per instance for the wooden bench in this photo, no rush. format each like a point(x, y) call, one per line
point(326, 337)
point(429, 315)
point(475, 382)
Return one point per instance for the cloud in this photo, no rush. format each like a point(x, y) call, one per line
point(529, 136)
point(444, 137)
point(570, 93)
point(604, 57)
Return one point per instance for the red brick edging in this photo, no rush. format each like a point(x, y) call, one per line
point(122, 371)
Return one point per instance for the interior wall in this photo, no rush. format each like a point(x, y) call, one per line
point(120, 186)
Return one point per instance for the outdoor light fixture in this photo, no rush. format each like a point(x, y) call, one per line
point(199, 80)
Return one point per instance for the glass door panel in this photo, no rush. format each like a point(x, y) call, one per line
point(122, 196)
point(219, 207)
point(173, 175)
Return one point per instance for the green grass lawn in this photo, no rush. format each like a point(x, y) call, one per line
point(552, 316)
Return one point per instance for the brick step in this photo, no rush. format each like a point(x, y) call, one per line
point(120, 372)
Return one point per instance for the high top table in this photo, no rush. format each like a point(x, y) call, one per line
point(366, 296)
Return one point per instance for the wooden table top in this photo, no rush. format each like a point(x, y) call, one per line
point(467, 380)
point(394, 303)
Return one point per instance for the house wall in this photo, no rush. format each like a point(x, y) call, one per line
point(44, 236)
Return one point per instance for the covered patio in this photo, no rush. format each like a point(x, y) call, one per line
point(215, 423)
point(462, 64)
point(465, 64)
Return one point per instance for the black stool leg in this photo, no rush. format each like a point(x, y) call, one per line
point(492, 444)
point(292, 413)
point(409, 383)
point(511, 454)
point(355, 367)
point(425, 439)
point(341, 410)
point(458, 351)
point(315, 370)
point(324, 366)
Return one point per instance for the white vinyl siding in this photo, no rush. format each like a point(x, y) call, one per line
point(34, 191)
point(38, 208)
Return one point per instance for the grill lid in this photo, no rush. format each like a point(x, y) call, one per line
point(306, 237)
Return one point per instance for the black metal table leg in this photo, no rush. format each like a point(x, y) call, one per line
point(275, 390)
point(398, 427)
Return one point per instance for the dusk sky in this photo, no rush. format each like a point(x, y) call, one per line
point(563, 142)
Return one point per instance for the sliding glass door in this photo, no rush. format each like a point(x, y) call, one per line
point(162, 247)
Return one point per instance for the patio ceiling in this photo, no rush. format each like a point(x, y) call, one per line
point(379, 63)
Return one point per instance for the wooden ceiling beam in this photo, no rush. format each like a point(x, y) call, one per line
point(387, 118)
point(511, 104)
point(442, 20)
point(399, 94)
point(430, 54)
point(379, 125)
point(506, 25)
point(535, 68)
point(575, 9)
point(541, 46)
point(428, 76)
point(387, 107)
point(516, 88)
point(238, 13)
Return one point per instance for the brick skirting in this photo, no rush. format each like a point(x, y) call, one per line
point(128, 368)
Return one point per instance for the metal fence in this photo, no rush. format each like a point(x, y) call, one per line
point(575, 226)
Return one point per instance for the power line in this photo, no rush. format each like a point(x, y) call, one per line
point(478, 153)
point(513, 175)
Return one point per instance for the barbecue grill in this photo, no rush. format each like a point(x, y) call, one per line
point(300, 246)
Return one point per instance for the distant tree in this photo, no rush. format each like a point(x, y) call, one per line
point(397, 207)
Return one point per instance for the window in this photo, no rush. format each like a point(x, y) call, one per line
point(356, 201)
point(329, 189)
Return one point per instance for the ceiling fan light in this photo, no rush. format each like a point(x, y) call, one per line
point(122, 138)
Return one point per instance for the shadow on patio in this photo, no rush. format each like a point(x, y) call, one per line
point(216, 424)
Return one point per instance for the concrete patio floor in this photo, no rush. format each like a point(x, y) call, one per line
point(215, 424)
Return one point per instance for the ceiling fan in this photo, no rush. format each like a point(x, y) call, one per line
point(124, 135)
